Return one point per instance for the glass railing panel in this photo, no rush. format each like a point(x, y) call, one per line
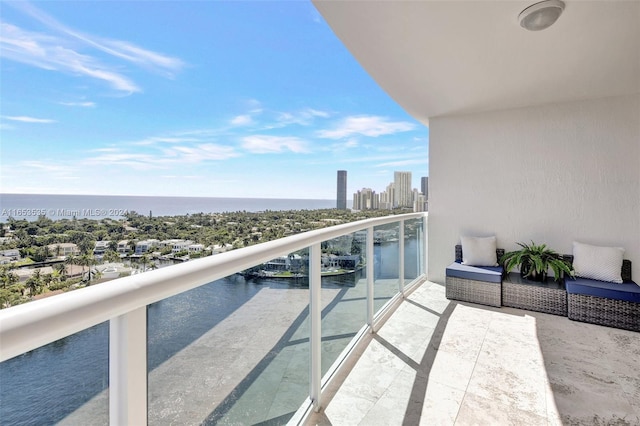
point(280, 383)
point(344, 294)
point(413, 249)
point(386, 270)
point(65, 382)
point(221, 353)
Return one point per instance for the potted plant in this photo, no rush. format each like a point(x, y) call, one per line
point(535, 260)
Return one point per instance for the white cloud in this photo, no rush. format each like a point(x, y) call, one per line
point(25, 119)
point(254, 105)
point(201, 153)
point(154, 140)
point(242, 120)
point(182, 176)
point(263, 144)
point(402, 163)
point(107, 149)
point(60, 53)
point(371, 125)
point(79, 104)
point(304, 117)
point(48, 167)
point(48, 53)
point(138, 161)
point(147, 156)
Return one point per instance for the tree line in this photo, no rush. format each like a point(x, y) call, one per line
point(231, 229)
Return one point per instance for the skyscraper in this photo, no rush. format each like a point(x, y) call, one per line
point(403, 195)
point(425, 186)
point(341, 203)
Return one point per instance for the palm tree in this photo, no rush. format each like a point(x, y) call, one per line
point(86, 260)
point(62, 271)
point(35, 283)
point(111, 256)
point(144, 261)
point(7, 278)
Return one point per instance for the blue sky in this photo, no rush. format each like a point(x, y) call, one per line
point(192, 98)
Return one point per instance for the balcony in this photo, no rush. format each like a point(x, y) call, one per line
point(438, 362)
point(390, 348)
point(195, 343)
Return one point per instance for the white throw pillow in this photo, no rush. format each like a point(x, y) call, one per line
point(598, 263)
point(479, 251)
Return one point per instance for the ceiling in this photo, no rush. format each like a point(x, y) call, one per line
point(438, 58)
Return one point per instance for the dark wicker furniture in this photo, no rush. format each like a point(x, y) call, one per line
point(549, 296)
point(481, 290)
point(606, 311)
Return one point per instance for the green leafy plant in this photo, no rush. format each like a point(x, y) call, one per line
point(535, 260)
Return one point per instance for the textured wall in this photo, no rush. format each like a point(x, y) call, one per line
point(551, 174)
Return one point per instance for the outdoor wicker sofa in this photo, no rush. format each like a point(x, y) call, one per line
point(476, 284)
point(605, 303)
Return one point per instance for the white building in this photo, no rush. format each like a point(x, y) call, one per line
point(403, 196)
point(195, 248)
point(146, 245)
point(180, 245)
point(63, 249)
point(123, 246)
point(366, 199)
point(101, 247)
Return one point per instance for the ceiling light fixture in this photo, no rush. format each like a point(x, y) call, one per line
point(541, 15)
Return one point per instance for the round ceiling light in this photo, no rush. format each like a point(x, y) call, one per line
point(541, 15)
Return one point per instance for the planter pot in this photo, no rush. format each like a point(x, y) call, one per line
point(537, 277)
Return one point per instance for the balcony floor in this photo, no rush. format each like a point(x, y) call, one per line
point(437, 362)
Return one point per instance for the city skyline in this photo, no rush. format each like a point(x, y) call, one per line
point(399, 193)
point(205, 99)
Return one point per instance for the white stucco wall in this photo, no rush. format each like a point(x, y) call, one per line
point(551, 174)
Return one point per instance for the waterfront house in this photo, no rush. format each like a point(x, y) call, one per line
point(63, 249)
point(146, 245)
point(101, 247)
point(12, 254)
point(195, 248)
point(180, 245)
point(123, 246)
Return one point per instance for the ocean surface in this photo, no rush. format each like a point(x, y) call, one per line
point(30, 206)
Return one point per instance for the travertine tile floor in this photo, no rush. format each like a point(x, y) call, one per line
point(439, 362)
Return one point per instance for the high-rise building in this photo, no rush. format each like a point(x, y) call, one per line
point(341, 202)
point(403, 196)
point(366, 199)
point(387, 196)
point(420, 203)
point(424, 181)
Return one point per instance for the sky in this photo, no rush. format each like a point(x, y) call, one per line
point(192, 98)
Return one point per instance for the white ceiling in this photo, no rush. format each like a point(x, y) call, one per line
point(440, 58)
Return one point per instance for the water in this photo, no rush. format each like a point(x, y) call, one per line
point(45, 385)
point(30, 206)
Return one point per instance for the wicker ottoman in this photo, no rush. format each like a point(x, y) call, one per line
point(549, 297)
point(604, 303)
point(474, 284)
point(603, 311)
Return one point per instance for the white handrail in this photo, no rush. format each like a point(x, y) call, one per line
point(29, 326)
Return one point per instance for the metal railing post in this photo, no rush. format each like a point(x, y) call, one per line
point(425, 245)
point(128, 368)
point(370, 269)
point(315, 318)
point(401, 258)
